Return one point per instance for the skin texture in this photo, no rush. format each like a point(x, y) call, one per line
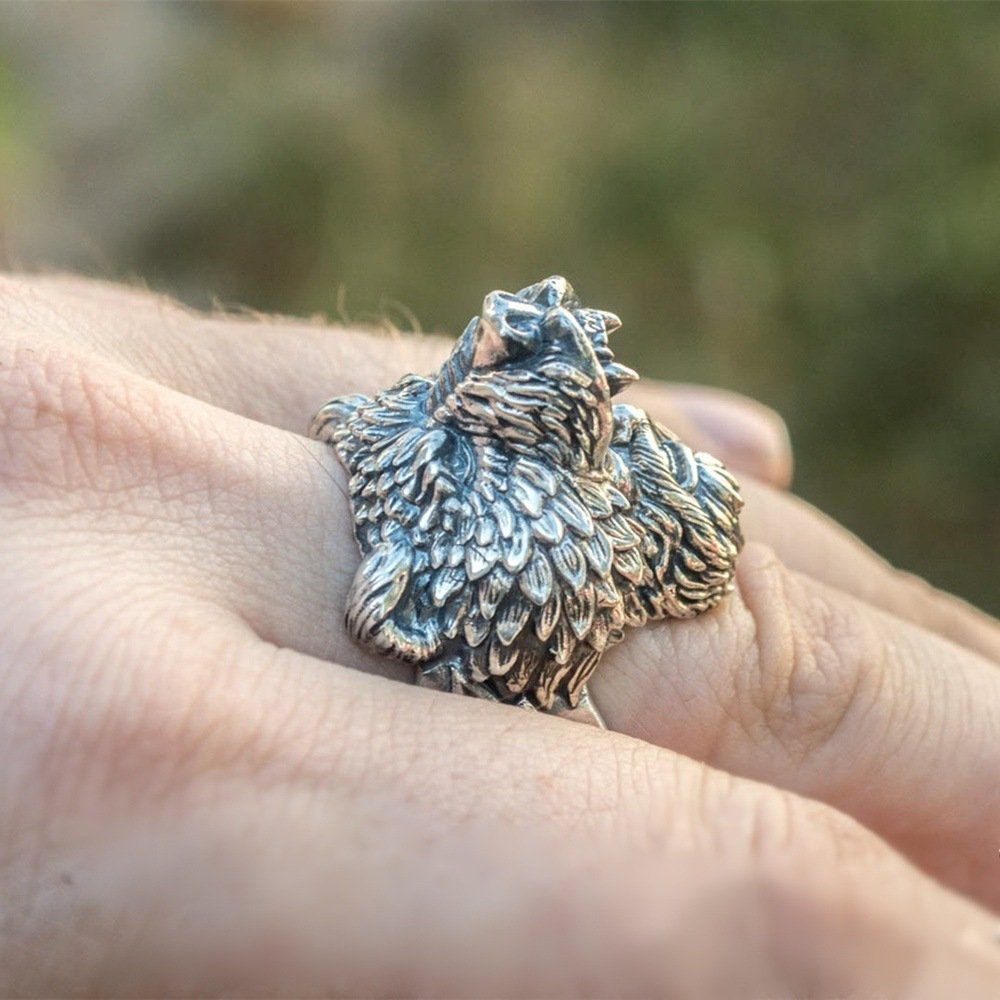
point(201, 794)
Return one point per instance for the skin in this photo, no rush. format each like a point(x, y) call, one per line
point(206, 788)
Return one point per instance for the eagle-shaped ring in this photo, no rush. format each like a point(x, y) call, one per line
point(512, 521)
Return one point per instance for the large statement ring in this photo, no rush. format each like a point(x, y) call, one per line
point(512, 521)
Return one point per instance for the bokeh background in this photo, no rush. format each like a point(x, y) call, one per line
point(801, 203)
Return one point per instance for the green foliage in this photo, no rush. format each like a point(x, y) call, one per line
point(798, 202)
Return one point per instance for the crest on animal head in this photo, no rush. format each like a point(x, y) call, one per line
point(536, 371)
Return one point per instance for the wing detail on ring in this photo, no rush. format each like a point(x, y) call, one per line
point(511, 565)
point(686, 506)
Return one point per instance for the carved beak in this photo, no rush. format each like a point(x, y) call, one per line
point(507, 329)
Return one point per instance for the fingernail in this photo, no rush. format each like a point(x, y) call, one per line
point(742, 432)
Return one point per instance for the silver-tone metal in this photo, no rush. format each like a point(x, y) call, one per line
point(512, 521)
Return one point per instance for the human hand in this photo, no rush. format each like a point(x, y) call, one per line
point(194, 800)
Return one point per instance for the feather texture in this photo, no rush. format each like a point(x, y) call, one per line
point(511, 520)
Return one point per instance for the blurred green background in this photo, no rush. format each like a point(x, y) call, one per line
point(801, 203)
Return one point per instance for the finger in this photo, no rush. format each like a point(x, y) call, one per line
point(247, 514)
point(280, 371)
point(270, 824)
point(808, 541)
point(795, 684)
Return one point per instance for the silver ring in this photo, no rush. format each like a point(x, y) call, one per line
point(512, 521)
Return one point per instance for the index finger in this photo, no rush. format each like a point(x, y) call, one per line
point(280, 371)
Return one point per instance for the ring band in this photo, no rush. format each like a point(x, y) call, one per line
point(512, 521)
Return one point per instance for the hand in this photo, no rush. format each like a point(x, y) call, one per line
point(198, 795)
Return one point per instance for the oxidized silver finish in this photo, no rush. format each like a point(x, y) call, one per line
point(512, 521)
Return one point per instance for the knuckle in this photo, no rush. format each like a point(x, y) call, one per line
point(810, 658)
point(79, 706)
point(172, 734)
point(125, 731)
point(802, 874)
point(792, 874)
point(65, 416)
point(753, 825)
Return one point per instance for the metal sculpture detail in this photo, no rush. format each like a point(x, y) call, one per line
point(512, 521)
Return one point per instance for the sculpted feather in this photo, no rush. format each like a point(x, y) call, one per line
point(512, 521)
